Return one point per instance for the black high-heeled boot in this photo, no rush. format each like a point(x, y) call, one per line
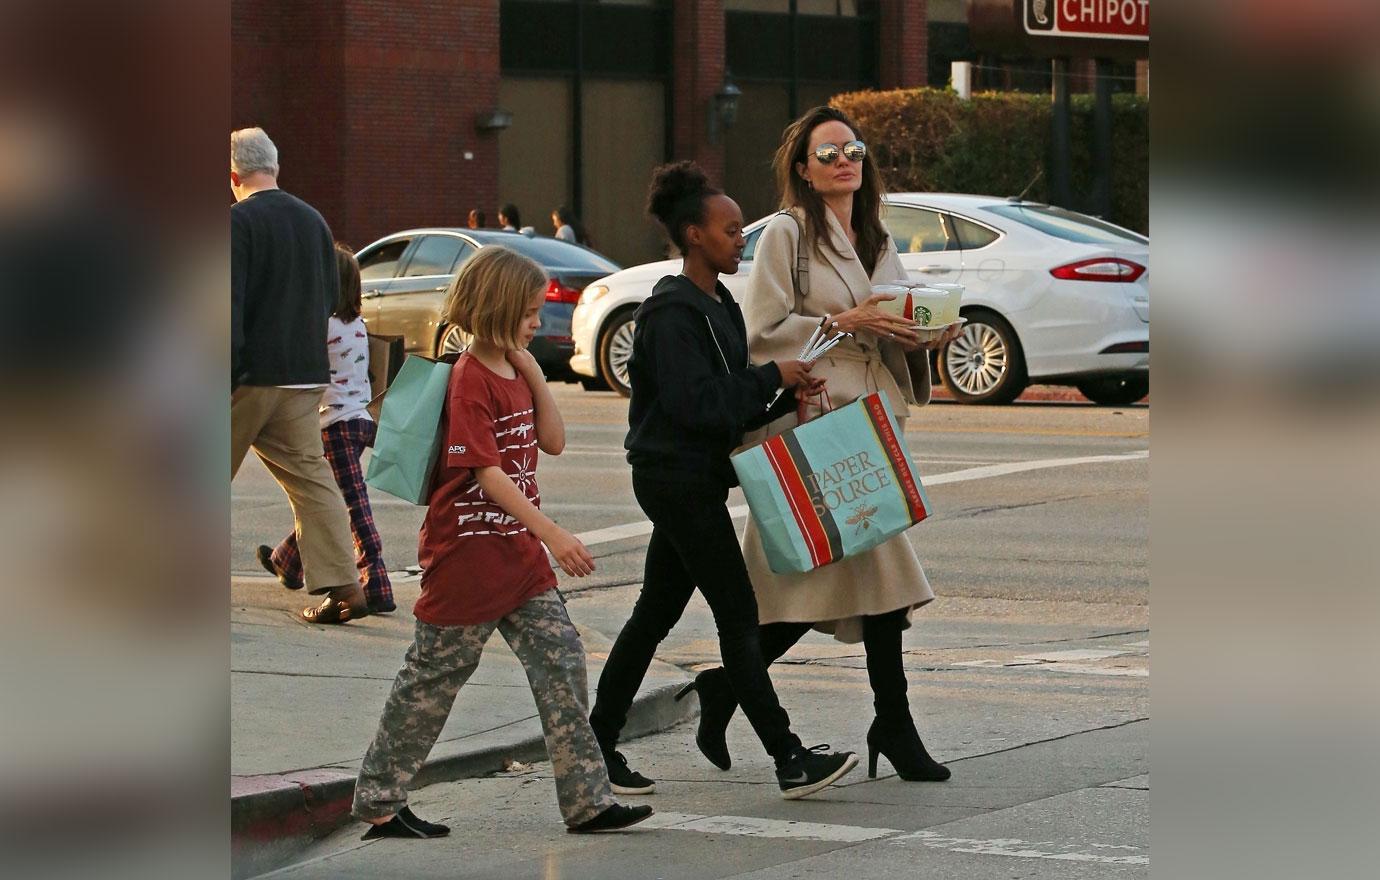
point(897, 739)
point(717, 705)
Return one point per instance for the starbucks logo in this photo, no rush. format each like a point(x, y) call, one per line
point(923, 314)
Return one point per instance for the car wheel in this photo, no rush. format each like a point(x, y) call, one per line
point(984, 364)
point(615, 350)
point(1115, 390)
point(452, 340)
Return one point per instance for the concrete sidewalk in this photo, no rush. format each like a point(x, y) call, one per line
point(305, 702)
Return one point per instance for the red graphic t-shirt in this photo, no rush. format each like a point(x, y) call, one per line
point(478, 562)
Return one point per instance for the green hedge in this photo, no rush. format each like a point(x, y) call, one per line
point(931, 140)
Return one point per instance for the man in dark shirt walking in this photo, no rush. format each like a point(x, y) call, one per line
point(284, 285)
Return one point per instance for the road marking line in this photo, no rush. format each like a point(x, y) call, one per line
point(638, 529)
point(752, 826)
point(1012, 847)
point(781, 829)
point(1073, 654)
point(1073, 668)
point(1035, 432)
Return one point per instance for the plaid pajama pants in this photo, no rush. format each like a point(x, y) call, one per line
point(344, 442)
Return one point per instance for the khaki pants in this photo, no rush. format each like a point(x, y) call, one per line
point(284, 429)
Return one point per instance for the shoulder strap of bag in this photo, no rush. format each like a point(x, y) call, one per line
point(800, 274)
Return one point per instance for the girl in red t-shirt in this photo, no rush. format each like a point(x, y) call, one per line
point(485, 567)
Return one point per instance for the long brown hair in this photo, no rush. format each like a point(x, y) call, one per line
point(796, 192)
point(347, 303)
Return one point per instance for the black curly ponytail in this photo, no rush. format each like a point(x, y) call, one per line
point(676, 198)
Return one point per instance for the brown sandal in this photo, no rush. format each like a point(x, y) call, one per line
point(329, 611)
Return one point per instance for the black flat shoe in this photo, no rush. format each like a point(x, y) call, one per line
point(407, 824)
point(615, 818)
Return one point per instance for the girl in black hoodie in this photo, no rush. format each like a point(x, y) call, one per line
point(694, 395)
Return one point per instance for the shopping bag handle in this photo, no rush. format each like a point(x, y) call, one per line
point(453, 358)
point(826, 405)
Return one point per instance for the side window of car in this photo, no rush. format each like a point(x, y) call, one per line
point(751, 238)
point(466, 251)
point(435, 255)
point(919, 230)
point(971, 235)
point(382, 264)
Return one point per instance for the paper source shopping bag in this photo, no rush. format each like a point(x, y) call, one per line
point(409, 433)
point(832, 487)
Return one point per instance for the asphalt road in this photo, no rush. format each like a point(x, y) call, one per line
point(1029, 677)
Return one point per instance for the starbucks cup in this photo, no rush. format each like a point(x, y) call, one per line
point(955, 292)
point(900, 304)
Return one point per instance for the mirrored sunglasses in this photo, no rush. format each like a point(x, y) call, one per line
point(828, 154)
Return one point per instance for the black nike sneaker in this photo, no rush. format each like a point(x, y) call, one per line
point(809, 770)
point(625, 780)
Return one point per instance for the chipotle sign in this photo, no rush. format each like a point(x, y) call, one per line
point(1084, 19)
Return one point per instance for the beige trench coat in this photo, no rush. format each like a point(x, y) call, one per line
point(889, 576)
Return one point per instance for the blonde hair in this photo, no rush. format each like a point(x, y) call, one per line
point(491, 293)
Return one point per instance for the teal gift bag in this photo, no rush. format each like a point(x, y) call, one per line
point(833, 487)
point(409, 433)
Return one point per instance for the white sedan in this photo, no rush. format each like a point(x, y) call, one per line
point(1053, 297)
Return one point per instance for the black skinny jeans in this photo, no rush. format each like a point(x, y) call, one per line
point(693, 544)
point(881, 640)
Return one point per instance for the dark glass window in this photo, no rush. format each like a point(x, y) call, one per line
point(919, 230)
point(752, 237)
point(553, 254)
point(1068, 225)
point(382, 263)
point(536, 36)
point(829, 48)
point(435, 255)
point(971, 235)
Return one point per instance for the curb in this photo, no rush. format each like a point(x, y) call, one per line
point(273, 817)
point(1037, 393)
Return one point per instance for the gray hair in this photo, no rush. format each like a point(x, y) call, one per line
point(251, 150)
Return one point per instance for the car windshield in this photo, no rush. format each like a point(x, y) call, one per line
point(549, 252)
point(1068, 225)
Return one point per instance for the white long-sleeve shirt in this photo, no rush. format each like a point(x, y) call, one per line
point(347, 396)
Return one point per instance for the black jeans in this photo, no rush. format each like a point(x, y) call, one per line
point(882, 642)
point(693, 544)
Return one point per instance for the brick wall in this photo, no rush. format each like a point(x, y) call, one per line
point(373, 104)
point(286, 77)
point(903, 43)
point(698, 34)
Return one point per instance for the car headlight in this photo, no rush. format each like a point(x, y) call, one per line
point(592, 294)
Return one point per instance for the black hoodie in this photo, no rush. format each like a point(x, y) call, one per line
point(694, 392)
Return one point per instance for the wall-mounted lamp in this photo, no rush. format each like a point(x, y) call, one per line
point(723, 107)
point(494, 120)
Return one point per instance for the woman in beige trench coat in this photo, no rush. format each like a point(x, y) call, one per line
point(833, 189)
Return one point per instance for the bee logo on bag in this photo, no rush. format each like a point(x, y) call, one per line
point(862, 517)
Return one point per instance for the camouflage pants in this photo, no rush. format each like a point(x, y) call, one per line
point(441, 660)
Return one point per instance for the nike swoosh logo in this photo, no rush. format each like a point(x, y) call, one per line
point(801, 778)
